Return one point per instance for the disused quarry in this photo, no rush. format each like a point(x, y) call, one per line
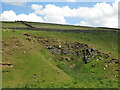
point(64, 50)
point(68, 49)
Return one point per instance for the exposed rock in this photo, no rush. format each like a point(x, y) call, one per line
point(24, 52)
point(55, 51)
point(92, 72)
point(117, 62)
point(26, 34)
point(49, 47)
point(67, 58)
point(57, 71)
point(72, 66)
point(104, 68)
point(5, 44)
point(80, 50)
point(35, 74)
point(89, 54)
point(6, 64)
point(57, 46)
point(113, 61)
point(18, 45)
point(66, 52)
point(117, 70)
point(106, 56)
point(28, 39)
point(4, 71)
point(99, 59)
point(79, 53)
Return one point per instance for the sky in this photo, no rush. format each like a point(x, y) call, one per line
point(71, 12)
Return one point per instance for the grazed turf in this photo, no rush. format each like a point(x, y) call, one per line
point(34, 66)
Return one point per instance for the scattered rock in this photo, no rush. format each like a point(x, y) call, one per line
point(92, 72)
point(26, 34)
point(114, 59)
point(28, 39)
point(117, 62)
point(66, 58)
point(18, 45)
point(24, 52)
point(55, 51)
point(80, 50)
point(57, 71)
point(35, 74)
point(6, 64)
point(4, 71)
point(72, 66)
point(106, 56)
point(104, 68)
point(49, 47)
point(99, 59)
point(117, 70)
point(5, 44)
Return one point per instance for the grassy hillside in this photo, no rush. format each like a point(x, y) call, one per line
point(32, 65)
point(21, 24)
point(12, 24)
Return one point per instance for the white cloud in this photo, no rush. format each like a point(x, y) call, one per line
point(11, 16)
point(55, 19)
point(101, 14)
point(52, 13)
point(8, 16)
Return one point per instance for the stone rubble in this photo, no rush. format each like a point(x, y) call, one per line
point(80, 50)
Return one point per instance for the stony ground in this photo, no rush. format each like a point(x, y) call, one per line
point(68, 49)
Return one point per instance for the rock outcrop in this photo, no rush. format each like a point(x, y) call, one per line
point(80, 50)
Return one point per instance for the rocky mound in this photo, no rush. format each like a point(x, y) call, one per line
point(69, 49)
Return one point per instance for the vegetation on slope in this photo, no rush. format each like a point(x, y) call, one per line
point(23, 24)
point(34, 66)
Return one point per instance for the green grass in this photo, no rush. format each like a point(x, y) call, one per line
point(63, 27)
point(50, 26)
point(33, 58)
point(13, 25)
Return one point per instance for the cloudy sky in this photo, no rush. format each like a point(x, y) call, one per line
point(71, 12)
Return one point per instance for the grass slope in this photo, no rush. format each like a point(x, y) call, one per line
point(35, 67)
point(64, 27)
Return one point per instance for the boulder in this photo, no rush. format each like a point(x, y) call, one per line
point(28, 39)
point(66, 58)
point(106, 55)
point(86, 59)
point(49, 47)
point(72, 66)
point(26, 34)
point(55, 51)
